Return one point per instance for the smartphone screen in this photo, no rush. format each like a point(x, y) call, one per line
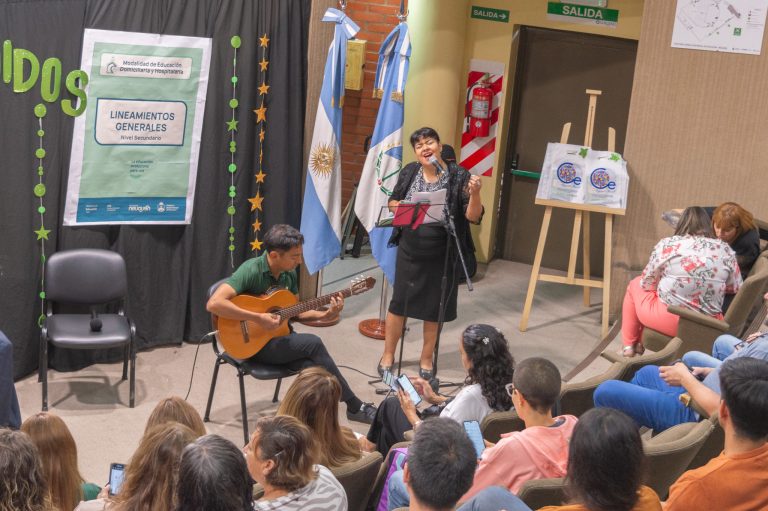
point(473, 431)
point(407, 386)
point(116, 474)
point(390, 380)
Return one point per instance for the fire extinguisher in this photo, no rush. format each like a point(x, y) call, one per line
point(480, 108)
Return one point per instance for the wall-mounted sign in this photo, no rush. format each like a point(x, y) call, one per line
point(733, 27)
point(487, 13)
point(583, 14)
point(591, 3)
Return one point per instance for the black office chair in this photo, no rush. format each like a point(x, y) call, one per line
point(87, 277)
point(248, 366)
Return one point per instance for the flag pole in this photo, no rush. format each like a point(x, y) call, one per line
point(374, 328)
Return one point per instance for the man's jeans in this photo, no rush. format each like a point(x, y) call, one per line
point(649, 400)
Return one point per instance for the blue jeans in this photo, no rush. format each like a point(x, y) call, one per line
point(494, 498)
point(648, 399)
point(723, 347)
point(398, 493)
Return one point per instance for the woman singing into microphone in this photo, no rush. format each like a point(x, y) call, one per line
point(421, 251)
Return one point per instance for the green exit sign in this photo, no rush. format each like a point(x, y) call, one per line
point(487, 13)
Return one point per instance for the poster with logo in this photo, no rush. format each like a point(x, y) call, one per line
point(135, 149)
point(581, 175)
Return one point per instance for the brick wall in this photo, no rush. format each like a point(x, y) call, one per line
point(376, 19)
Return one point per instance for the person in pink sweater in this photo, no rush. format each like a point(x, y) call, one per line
point(541, 449)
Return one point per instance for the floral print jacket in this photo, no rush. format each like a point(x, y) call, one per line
point(695, 272)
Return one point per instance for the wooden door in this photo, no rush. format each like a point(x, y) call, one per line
point(554, 68)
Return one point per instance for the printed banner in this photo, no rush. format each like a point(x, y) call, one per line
point(135, 150)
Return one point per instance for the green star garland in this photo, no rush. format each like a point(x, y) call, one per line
point(232, 130)
point(39, 191)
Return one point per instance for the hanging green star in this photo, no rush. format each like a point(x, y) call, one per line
point(232, 125)
point(583, 152)
point(42, 233)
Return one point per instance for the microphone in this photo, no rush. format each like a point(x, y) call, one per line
point(436, 163)
point(95, 322)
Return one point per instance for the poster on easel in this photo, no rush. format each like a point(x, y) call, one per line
point(135, 150)
point(580, 175)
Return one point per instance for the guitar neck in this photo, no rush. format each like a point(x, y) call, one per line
point(310, 305)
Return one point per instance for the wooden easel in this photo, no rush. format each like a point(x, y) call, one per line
point(581, 219)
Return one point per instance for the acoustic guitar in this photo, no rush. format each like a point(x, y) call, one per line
point(243, 339)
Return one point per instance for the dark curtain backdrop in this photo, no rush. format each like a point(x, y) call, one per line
point(169, 267)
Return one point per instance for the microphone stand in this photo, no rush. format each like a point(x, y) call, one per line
point(450, 228)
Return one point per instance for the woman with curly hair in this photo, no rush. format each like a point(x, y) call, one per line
point(58, 454)
point(489, 365)
point(22, 482)
point(313, 398)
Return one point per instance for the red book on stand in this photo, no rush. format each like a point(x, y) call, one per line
point(410, 214)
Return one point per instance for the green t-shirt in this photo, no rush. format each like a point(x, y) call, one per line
point(254, 277)
point(90, 491)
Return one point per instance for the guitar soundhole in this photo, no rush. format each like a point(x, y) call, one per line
point(244, 329)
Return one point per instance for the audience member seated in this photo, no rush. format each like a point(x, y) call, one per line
point(23, 486)
point(692, 269)
point(541, 449)
point(734, 225)
point(150, 475)
point(606, 464)
point(313, 399)
point(281, 457)
point(213, 476)
point(58, 455)
point(175, 409)
point(489, 364)
point(441, 464)
point(738, 478)
point(660, 397)
point(10, 416)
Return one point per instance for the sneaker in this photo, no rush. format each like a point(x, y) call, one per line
point(365, 414)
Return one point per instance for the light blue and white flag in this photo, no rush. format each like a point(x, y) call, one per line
point(321, 212)
point(385, 157)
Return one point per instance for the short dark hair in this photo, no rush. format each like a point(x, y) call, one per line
point(538, 380)
point(744, 388)
point(695, 221)
point(213, 475)
point(606, 461)
point(441, 463)
point(282, 237)
point(422, 133)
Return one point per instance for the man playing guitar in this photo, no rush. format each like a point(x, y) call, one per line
point(276, 267)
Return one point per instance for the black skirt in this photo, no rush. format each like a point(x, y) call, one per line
point(418, 274)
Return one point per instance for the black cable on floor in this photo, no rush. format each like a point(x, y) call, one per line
point(194, 362)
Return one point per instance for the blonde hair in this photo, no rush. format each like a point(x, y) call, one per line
point(730, 214)
point(313, 398)
point(23, 486)
point(58, 455)
point(151, 475)
point(175, 409)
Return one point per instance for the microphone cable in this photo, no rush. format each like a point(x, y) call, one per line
point(194, 361)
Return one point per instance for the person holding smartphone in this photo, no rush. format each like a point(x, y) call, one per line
point(489, 364)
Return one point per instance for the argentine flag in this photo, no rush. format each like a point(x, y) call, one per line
point(321, 212)
point(385, 157)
